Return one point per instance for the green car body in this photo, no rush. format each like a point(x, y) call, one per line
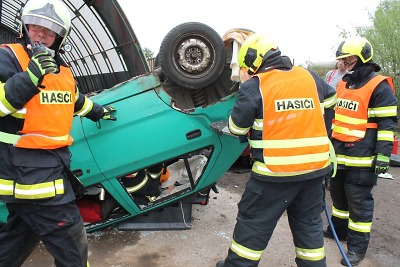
point(163, 117)
point(149, 131)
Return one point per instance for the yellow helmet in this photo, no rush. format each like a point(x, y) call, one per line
point(51, 14)
point(255, 50)
point(355, 46)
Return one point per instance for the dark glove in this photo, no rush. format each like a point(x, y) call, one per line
point(41, 64)
point(107, 113)
point(381, 164)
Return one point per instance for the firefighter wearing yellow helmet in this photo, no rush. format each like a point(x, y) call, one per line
point(280, 109)
point(34, 183)
point(363, 134)
point(355, 46)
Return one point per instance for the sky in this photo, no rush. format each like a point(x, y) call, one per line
point(306, 31)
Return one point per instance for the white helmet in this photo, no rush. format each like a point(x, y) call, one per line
point(51, 14)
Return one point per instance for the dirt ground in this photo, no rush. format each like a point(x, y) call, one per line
point(208, 238)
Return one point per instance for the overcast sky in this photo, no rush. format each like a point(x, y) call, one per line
point(306, 31)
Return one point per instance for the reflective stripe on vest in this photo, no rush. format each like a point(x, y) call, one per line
point(35, 191)
point(295, 105)
point(351, 111)
point(49, 114)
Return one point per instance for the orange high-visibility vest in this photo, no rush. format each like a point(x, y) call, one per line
point(294, 133)
point(49, 114)
point(351, 111)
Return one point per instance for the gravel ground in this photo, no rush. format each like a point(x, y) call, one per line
point(208, 238)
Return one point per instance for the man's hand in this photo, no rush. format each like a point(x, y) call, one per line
point(41, 64)
point(381, 164)
point(107, 113)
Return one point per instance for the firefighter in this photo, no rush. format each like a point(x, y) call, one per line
point(365, 120)
point(38, 99)
point(282, 107)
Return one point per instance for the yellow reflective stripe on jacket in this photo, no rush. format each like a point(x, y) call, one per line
point(380, 112)
point(246, 253)
point(341, 214)
point(20, 114)
point(87, 107)
point(258, 124)
point(235, 129)
point(315, 254)
point(6, 187)
point(355, 161)
point(362, 227)
point(385, 136)
point(329, 102)
point(5, 106)
point(39, 191)
point(139, 186)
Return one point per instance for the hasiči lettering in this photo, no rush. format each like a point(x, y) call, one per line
point(294, 104)
point(347, 104)
point(55, 97)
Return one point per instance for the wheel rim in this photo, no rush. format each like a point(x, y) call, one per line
point(194, 56)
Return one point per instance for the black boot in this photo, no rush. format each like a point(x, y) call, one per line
point(220, 263)
point(353, 258)
point(328, 233)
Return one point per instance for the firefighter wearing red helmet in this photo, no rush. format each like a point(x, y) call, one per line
point(363, 134)
point(38, 99)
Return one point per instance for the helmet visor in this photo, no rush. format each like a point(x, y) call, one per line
point(44, 22)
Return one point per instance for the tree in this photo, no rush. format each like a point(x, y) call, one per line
point(148, 53)
point(384, 36)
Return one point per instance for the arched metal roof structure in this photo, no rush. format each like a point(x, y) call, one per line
point(105, 50)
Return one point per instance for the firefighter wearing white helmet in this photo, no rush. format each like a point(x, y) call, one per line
point(38, 99)
point(50, 14)
point(280, 109)
point(363, 134)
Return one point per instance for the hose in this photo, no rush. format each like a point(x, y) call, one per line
point(328, 216)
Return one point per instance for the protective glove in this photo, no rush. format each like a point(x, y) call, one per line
point(381, 164)
point(41, 63)
point(107, 113)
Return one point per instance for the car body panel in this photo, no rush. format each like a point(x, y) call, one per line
point(148, 131)
point(158, 123)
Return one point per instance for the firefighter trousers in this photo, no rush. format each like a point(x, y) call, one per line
point(59, 227)
point(353, 206)
point(261, 206)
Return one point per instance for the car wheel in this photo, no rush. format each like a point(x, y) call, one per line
point(192, 55)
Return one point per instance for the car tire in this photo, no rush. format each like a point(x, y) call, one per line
point(192, 55)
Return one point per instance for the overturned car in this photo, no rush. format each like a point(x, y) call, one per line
point(169, 146)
